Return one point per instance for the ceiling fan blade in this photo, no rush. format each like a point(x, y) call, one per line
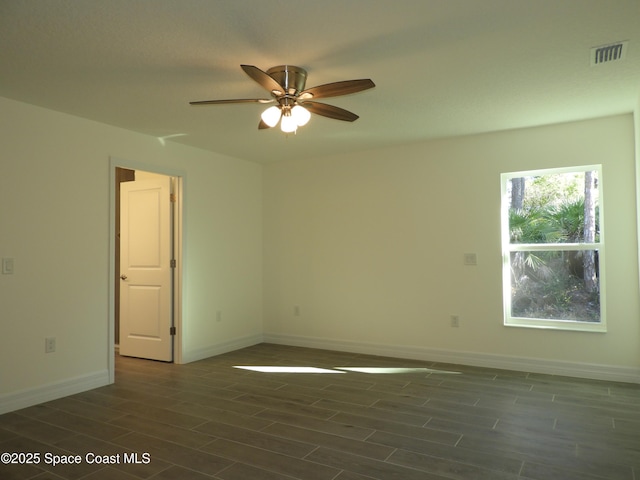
point(235, 100)
point(330, 111)
point(336, 89)
point(263, 78)
point(262, 125)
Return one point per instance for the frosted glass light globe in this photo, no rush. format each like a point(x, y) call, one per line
point(288, 124)
point(301, 115)
point(271, 116)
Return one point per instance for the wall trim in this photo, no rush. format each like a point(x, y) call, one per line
point(612, 373)
point(189, 356)
point(52, 391)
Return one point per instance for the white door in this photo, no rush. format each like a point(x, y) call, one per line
point(145, 269)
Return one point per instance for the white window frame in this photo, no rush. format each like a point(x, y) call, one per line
point(508, 248)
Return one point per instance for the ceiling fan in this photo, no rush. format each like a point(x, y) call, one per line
point(293, 103)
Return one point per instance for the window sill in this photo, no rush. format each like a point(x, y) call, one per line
point(563, 325)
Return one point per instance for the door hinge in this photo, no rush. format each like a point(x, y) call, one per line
point(172, 197)
point(172, 331)
point(172, 264)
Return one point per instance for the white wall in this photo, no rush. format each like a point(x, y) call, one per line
point(636, 116)
point(54, 222)
point(370, 247)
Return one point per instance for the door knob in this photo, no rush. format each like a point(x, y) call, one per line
point(123, 276)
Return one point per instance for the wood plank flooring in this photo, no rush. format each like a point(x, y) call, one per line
point(423, 421)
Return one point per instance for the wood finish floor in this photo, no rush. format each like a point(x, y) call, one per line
point(210, 420)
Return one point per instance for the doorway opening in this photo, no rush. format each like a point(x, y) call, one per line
point(146, 264)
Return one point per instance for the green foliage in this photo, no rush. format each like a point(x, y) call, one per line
point(545, 283)
point(568, 220)
point(554, 223)
point(545, 190)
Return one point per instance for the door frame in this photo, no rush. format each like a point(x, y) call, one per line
point(178, 239)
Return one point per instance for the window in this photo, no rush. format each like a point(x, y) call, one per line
point(553, 249)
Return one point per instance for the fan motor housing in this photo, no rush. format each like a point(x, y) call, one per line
point(292, 78)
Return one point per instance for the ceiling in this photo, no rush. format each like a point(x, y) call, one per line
point(441, 67)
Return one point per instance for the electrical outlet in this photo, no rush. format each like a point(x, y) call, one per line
point(296, 310)
point(219, 316)
point(49, 344)
point(455, 321)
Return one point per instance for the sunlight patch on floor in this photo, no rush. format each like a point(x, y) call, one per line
point(278, 369)
point(373, 370)
point(388, 370)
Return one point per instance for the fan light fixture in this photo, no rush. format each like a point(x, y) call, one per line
point(294, 103)
point(290, 118)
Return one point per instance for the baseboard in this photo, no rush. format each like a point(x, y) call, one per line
point(52, 391)
point(220, 348)
point(503, 362)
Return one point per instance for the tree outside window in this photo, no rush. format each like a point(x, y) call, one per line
point(553, 249)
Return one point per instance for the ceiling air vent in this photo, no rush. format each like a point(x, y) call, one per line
point(608, 53)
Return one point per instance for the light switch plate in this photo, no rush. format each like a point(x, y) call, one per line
point(7, 266)
point(470, 259)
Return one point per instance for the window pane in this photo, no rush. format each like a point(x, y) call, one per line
point(559, 285)
point(554, 208)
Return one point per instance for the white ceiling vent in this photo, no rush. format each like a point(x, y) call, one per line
point(608, 53)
